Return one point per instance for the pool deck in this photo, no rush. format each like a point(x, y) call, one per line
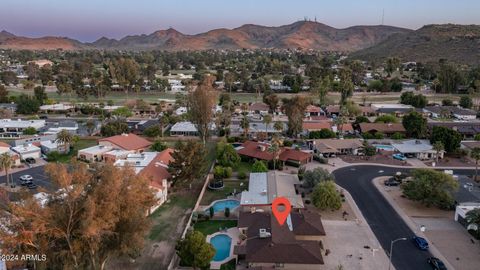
point(234, 233)
point(230, 198)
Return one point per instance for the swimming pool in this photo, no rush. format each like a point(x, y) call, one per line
point(222, 244)
point(384, 147)
point(221, 205)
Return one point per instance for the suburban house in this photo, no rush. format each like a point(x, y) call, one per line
point(153, 166)
point(466, 129)
point(388, 108)
point(387, 129)
point(254, 128)
point(312, 110)
point(139, 126)
point(27, 151)
point(332, 110)
point(421, 149)
point(11, 107)
point(57, 108)
point(450, 112)
point(263, 188)
point(469, 145)
point(258, 150)
point(14, 128)
point(53, 146)
point(130, 142)
point(56, 127)
point(258, 108)
point(267, 245)
point(328, 147)
point(112, 148)
point(309, 126)
point(5, 148)
point(34, 138)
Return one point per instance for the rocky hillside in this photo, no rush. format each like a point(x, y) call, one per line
point(456, 43)
point(303, 34)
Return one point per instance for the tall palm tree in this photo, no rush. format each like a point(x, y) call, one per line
point(275, 148)
point(438, 147)
point(267, 120)
point(475, 154)
point(6, 162)
point(245, 125)
point(64, 138)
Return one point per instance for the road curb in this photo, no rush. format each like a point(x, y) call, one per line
point(433, 249)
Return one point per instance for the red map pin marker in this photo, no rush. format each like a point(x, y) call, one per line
point(281, 213)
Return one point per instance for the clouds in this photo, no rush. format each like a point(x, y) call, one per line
point(88, 20)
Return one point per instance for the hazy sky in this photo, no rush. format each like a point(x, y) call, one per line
point(88, 20)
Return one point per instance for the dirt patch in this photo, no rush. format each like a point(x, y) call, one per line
point(450, 161)
point(382, 158)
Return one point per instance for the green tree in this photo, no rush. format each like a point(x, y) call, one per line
point(397, 136)
point(447, 102)
point(153, 131)
point(316, 176)
point(65, 138)
point(227, 156)
point(361, 119)
point(3, 94)
point(431, 188)
point(466, 102)
point(6, 162)
point(122, 112)
point(259, 166)
point(278, 126)
point(267, 120)
point(27, 105)
point(272, 101)
point(324, 133)
point(245, 125)
point(295, 111)
point(30, 131)
point(113, 128)
point(346, 85)
point(387, 118)
point(375, 85)
point(188, 162)
point(415, 125)
point(40, 94)
point(158, 146)
point(392, 65)
point(473, 217)
point(323, 88)
point(325, 196)
point(201, 102)
point(450, 138)
point(475, 154)
point(417, 101)
point(438, 147)
point(194, 250)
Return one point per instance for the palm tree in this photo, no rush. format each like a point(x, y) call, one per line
point(245, 125)
point(267, 120)
point(438, 147)
point(64, 138)
point(475, 154)
point(275, 148)
point(6, 162)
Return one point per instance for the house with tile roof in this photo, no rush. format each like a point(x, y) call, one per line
point(295, 245)
point(328, 147)
point(259, 150)
point(130, 142)
point(154, 167)
point(387, 129)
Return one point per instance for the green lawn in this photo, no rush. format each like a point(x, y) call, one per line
point(81, 144)
point(245, 167)
point(212, 226)
point(211, 195)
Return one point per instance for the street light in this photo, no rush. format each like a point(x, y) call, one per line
point(391, 249)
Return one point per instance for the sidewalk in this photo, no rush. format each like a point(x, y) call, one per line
point(39, 162)
point(416, 229)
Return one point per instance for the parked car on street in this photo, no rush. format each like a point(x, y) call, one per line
point(391, 182)
point(436, 263)
point(420, 242)
point(399, 157)
point(30, 160)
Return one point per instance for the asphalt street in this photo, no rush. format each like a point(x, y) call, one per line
point(384, 221)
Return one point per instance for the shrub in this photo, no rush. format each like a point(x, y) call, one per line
point(211, 212)
point(227, 172)
point(227, 212)
point(242, 175)
point(397, 136)
point(287, 143)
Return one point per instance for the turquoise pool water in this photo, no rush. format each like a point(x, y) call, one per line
point(221, 205)
point(384, 147)
point(222, 244)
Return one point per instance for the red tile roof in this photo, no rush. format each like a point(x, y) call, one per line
point(313, 109)
point(258, 106)
point(382, 127)
point(347, 127)
point(128, 141)
point(157, 170)
point(4, 144)
point(293, 154)
point(318, 125)
point(256, 150)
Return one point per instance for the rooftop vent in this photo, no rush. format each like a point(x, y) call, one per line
point(264, 234)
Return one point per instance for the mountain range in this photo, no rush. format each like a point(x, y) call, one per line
point(457, 43)
point(302, 34)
